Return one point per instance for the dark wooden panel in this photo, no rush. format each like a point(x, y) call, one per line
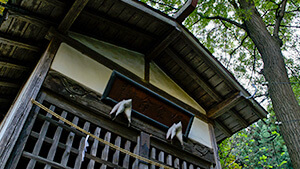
point(147, 104)
point(223, 89)
point(105, 6)
point(126, 15)
point(116, 10)
point(215, 80)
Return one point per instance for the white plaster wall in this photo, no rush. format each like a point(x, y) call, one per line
point(200, 132)
point(81, 68)
point(94, 75)
point(132, 61)
point(159, 79)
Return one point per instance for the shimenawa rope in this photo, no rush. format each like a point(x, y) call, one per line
point(99, 139)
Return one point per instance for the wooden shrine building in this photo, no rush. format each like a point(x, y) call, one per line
point(79, 58)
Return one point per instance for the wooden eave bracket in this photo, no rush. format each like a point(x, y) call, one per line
point(163, 44)
point(186, 10)
point(72, 15)
point(224, 106)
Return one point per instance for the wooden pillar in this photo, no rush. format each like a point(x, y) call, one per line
point(214, 146)
point(13, 122)
point(144, 149)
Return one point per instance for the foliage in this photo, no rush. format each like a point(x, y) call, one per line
point(218, 25)
point(2, 8)
point(258, 146)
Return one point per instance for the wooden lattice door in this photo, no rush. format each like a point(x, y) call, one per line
point(47, 142)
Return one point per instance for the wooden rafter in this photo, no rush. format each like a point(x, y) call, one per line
point(223, 128)
point(17, 43)
point(30, 18)
point(186, 10)
point(9, 84)
point(54, 2)
point(72, 15)
point(4, 100)
point(118, 24)
point(239, 118)
point(224, 106)
point(194, 75)
point(163, 45)
point(13, 66)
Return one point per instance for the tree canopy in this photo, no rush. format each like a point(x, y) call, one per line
point(258, 41)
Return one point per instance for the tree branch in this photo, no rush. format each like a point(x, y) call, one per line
point(241, 44)
point(164, 4)
point(286, 26)
point(279, 17)
point(222, 19)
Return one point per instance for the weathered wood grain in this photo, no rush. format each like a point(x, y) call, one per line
point(56, 138)
point(94, 147)
point(39, 143)
point(105, 151)
point(79, 160)
point(66, 154)
point(18, 113)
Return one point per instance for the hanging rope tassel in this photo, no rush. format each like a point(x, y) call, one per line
point(99, 139)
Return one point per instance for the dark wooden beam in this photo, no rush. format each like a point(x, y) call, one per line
point(163, 45)
point(54, 3)
point(72, 15)
point(130, 29)
point(224, 106)
point(180, 62)
point(10, 41)
point(29, 17)
point(186, 10)
point(5, 101)
point(13, 66)
point(223, 128)
point(147, 71)
point(239, 118)
point(13, 122)
point(9, 84)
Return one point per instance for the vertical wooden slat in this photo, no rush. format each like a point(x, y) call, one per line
point(191, 166)
point(94, 147)
point(105, 151)
point(17, 151)
point(126, 158)
point(176, 163)
point(78, 161)
point(144, 149)
point(169, 160)
point(56, 138)
point(136, 150)
point(116, 155)
point(40, 140)
point(184, 165)
point(12, 124)
point(65, 157)
point(153, 156)
point(161, 157)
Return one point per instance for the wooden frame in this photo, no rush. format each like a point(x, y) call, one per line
point(18, 113)
point(110, 98)
point(89, 101)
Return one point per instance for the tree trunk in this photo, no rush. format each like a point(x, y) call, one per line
point(283, 99)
